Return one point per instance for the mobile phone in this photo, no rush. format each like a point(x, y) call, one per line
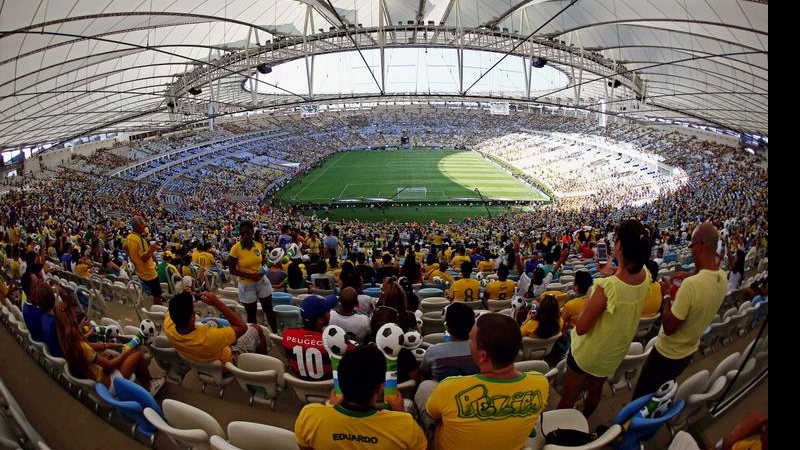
point(602, 253)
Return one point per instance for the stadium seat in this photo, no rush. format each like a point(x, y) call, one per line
point(641, 429)
point(261, 376)
point(253, 436)
point(287, 316)
point(374, 292)
point(429, 292)
point(627, 369)
point(536, 365)
point(282, 298)
point(309, 391)
point(535, 348)
point(168, 359)
point(210, 373)
point(130, 411)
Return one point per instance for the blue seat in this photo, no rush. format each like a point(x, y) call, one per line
point(127, 390)
point(670, 257)
point(287, 316)
point(429, 292)
point(641, 429)
point(373, 292)
point(130, 410)
point(282, 298)
point(513, 277)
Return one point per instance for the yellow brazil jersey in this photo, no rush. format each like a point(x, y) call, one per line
point(322, 427)
point(186, 271)
point(448, 253)
point(530, 326)
point(457, 260)
point(501, 290)
point(466, 290)
point(443, 275)
point(205, 260)
point(249, 260)
point(483, 413)
point(571, 310)
point(437, 239)
point(137, 247)
point(195, 256)
point(486, 266)
point(652, 304)
point(204, 344)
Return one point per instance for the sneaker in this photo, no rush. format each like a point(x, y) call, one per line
point(155, 385)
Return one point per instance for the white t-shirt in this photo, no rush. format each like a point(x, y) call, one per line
point(357, 324)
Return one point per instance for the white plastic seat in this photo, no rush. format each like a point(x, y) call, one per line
point(536, 365)
point(261, 376)
point(257, 436)
point(726, 367)
point(535, 348)
point(210, 373)
point(696, 403)
point(432, 324)
point(433, 304)
point(309, 391)
point(185, 425)
point(645, 325)
point(168, 359)
point(433, 338)
point(498, 305)
point(683, 441)
point(627, 369)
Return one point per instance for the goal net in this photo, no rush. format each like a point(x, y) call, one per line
point(412, 193)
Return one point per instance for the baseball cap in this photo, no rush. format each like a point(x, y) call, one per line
point(315, 306)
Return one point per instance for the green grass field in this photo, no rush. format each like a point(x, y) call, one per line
point(447, 176)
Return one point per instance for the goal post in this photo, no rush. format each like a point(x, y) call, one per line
point(412, 193)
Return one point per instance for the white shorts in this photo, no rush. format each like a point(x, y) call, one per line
point(251, 292)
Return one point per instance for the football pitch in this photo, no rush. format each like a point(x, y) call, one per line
point(449, 177)
point(445, 175)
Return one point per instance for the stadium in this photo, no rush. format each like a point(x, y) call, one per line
point(427, 224)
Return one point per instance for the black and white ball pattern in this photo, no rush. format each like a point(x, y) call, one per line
point(148, 328)
point(334, 339)
point(390, 339)
point(412, 339)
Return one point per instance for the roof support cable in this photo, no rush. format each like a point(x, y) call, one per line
point(520, 43)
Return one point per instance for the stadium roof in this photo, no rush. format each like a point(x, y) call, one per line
point(78, 67)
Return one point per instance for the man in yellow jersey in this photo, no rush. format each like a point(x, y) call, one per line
point(498, 407)
point(502, 288)
point(685, 318)
point(354, 423)
point(141, 254)
point(205, 259)
point(465, 289)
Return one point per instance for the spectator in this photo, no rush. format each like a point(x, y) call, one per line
point(31, 313)
point(200, 342)
point(606, 326)
point(452, 358)
point(307, 357)
point(46, 300)
point(85, 362)
point(684, 320)
point(387, 269)
point(355, 423)
point(344, 315)
point(653, 301)
point(366, 271)
point(544, 321)
point(477, 411)
point(245, 261)
point(502, 288)
point(465, 289)
point(572, 309)
point(141, 255)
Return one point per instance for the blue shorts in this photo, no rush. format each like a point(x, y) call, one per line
point(251, 292)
